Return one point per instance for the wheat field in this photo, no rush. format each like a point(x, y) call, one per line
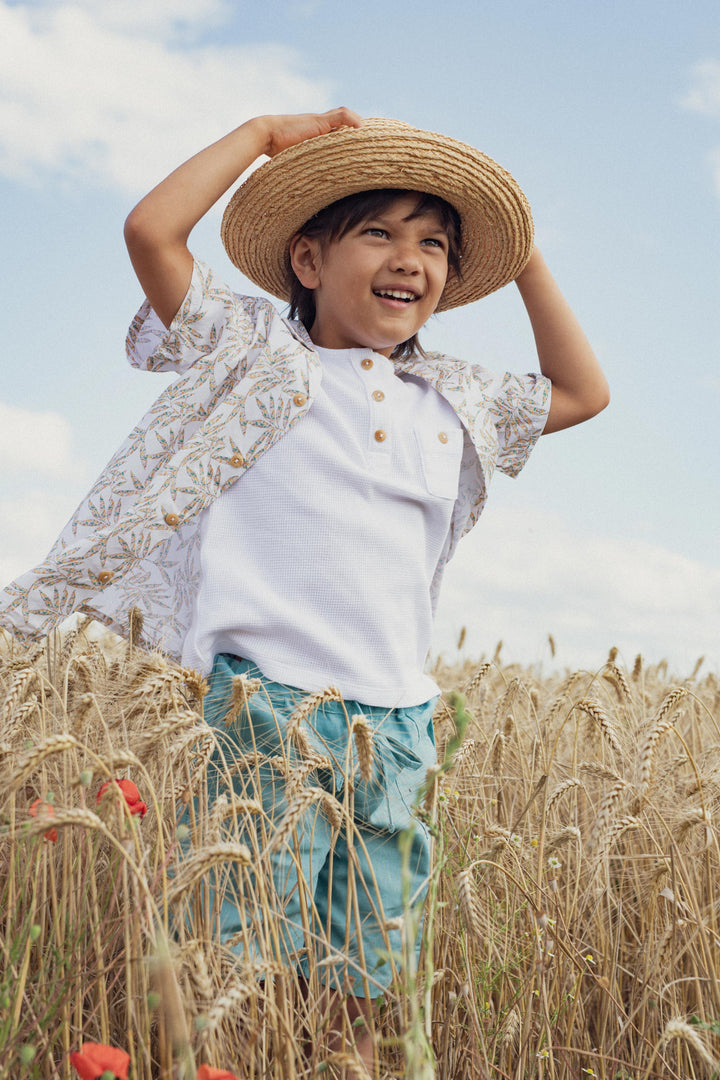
point(572, 926)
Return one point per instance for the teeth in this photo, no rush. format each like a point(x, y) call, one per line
point(396, 294)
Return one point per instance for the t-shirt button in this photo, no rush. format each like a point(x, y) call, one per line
point(237, 461)
point(442, 436)
point(378, 395)
point(367, 363)
point(380, 435)
point(104, 576)
point(172, 519)
point(299, 400)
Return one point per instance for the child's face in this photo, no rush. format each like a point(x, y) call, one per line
point(352, 276)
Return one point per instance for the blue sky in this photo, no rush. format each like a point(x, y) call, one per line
point(608, 115)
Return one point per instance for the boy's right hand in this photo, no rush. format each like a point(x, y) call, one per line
point(286, 131)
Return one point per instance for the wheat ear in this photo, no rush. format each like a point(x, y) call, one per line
point(364, 746)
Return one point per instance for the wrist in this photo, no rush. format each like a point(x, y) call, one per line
point(259, 133)
point(534, 262)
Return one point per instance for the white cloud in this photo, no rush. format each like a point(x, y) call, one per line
point(164, 15)
point(704, 97)
point(519, 578)
point(704, 94)
point(118, 93)
point(36, 443)
point(30, 524)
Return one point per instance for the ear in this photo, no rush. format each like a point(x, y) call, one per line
point(305, 259)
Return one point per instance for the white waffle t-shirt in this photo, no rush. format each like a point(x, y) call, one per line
point(317, 563)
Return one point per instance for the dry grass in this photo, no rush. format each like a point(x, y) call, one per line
point(572, 927)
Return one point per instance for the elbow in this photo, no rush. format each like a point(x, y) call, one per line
point(599, 401)
point(137, 230)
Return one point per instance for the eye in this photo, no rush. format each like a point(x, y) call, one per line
point(434, 242)
point(375, 230)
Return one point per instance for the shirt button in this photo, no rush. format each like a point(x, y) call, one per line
point(380, 435)
point(104, 576)
point(237, 461)
point(442, 436)
point(367, 363)
point(378, 395)
point(299, 400)
point(172, 519)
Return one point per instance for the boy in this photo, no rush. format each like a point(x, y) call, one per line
point(318, 563)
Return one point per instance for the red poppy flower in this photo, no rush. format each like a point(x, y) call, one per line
point(43, 809)
point(93, 1059)
point(130, 794)
point(206, 1072)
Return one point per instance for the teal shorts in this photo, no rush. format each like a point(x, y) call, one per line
point(333, 890)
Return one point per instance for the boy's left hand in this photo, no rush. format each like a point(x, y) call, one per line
point(579, 388)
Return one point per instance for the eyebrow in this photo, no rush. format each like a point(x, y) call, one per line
point(439, 229)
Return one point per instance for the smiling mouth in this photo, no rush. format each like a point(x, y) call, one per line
point(396, 294)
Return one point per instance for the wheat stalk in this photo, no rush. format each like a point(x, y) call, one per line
point(195, 867)
point(302, 801)
point(613, 832)
point(604, 814)
point(310, 704)
point(564, 836)
point(497, 752)
point(55, 744)
point(16, 694)
point(511, 1028)
point(557, 793)
point(679, 1029)
point(297, 776)
point(614, 675)
point(663, 722)
point(601, 718)
point(469, 906)
point(364, 746)
point(67, 817)
point(506, 701)
point(477, 678)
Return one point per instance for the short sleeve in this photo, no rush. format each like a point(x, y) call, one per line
point(519, 409)
point(196, 330)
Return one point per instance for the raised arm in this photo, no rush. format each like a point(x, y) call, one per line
point(579, 388)
point(157, 230)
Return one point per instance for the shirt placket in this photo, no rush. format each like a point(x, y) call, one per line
point(376, 374)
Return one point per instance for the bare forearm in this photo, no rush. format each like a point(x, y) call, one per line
point(579, 388)
point(157, 230)
point(171, 210)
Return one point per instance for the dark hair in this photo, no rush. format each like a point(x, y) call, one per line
point(337, 219)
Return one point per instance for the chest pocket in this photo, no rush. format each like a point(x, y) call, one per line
point(441, 455)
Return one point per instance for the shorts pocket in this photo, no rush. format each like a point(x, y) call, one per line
point(441, 456)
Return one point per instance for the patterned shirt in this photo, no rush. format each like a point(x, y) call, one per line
point(247, 375)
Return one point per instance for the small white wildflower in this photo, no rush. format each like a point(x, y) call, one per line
point(554, 863)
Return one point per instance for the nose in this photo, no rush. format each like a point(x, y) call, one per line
point(405, 259)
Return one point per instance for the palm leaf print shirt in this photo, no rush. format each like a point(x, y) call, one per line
point(246, 377)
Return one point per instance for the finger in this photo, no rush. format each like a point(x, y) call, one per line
point(344, 117)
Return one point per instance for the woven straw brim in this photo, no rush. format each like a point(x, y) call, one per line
point(279, 197)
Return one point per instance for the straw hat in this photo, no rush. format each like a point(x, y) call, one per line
point(279, 197)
